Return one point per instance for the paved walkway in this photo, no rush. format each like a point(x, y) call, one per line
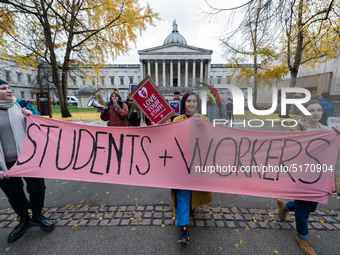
point(162, 215)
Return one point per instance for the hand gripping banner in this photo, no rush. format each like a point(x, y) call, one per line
point(190, 154)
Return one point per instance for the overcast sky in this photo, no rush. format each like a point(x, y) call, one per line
point(198, 30)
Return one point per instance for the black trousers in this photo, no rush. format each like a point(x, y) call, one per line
point(13, 187)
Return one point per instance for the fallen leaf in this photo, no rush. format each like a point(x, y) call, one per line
point(133, 229)
point(276, 252)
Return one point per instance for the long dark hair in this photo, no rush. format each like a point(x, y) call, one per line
point(185, 97)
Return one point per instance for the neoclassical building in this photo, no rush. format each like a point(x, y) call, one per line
point(175, 65)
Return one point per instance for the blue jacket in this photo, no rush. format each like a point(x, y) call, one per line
point(28, 106)
point(328, 106)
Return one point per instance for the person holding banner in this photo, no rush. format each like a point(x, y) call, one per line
point(304, 208)
point(116, 112)
point(12, 137)
point(185, 201)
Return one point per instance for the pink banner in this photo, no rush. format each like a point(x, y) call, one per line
point(190, 154)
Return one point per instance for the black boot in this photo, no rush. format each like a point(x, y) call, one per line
point(19, 230)
point(45, 224)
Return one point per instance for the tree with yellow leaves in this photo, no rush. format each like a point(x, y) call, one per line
point(58, 33)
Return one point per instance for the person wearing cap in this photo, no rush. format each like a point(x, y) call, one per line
point(116, 112)
point(12, 137)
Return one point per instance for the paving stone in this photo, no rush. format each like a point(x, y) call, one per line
point(149, 208)
point(140, 208)
point(67, 216)
point(99, 215)
point(131, 208)
point(168, 215)
point(135, 222)
point(122, 208)
point(252, 224)
point(62, 210)
point(293, 225)
point(207, 216)
point(147, 214)
point(274, 225)
point(267, 218)
point(228, 216)
point(72, 223)
point(124, 222)
point(244, 210)
point(103, 209)
point(329, 219)
point(10, 211)
point(285, 225)
point(225, 210)
point(217, 216)
point(94, 209)
point(82, 223)
point(199, 223)
point(72, 210)
point(220, 224)
point(12, 224)
point(4, 224)
point(263, 224)
point(205, 209)
point(337, 218)
point(242, 224)
point(235, 210)
point(138, 215)
point(119, 215)
point(104, 222)
point(114, 222)
point(55, 216)
point(263, 211)
point(216, 210)
point(146, 222)
point(317, 225)
point(247, 217)
point(258, 217)
point(211, 224)
point(108, 215)
point(191, 224)
point(12, 217)
point(112, 208)
point(253, 210)
point(157, 222)
point(93, 223)
point(53, 209)
point(77, 216)
point(198, 216)
point(230, 224)
point(127, 215)
point(168, 222)
point(329, 226)
point(320, 212)
point(336, 225)
point(62, 222)
point(157, 215)
point(159, 208)
point(238, 217)
point(167, 208)
point(272, 211)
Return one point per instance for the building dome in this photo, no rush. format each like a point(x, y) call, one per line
point(85, 91)
point(175, 37)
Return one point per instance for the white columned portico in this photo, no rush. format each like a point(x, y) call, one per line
point(156, 72)
point(186, 74)
point(208, 72)
point(141, 69)
point(201, 71)
point(193, 72)
point(171, 73)
point(179, 73)
point(149, 67)
point(164, 79)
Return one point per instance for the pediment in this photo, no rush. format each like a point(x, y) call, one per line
point(174, 48)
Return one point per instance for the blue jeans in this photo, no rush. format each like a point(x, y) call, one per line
point(302, 210)
point(13, 187)
point(183, 198)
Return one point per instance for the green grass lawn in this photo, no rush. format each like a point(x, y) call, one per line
point(72, 108)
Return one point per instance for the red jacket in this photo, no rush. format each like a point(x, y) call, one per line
point(116, 118)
